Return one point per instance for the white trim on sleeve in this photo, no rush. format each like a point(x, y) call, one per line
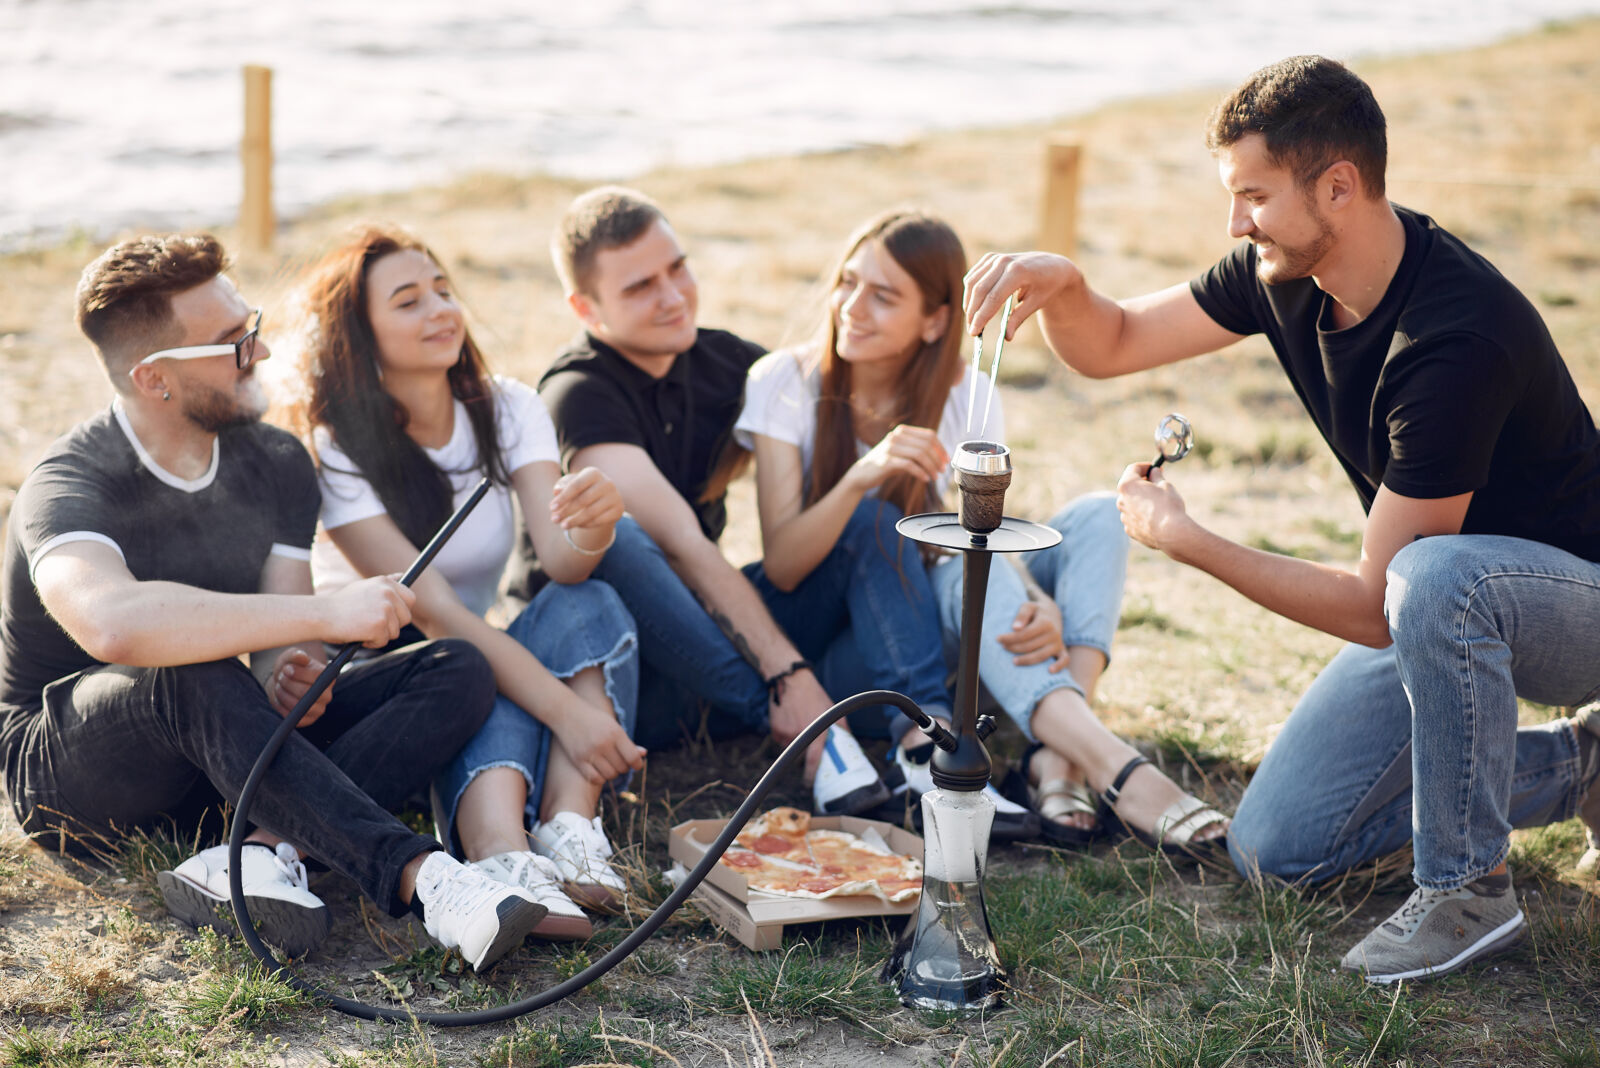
point(66, 539)
point(290, 551)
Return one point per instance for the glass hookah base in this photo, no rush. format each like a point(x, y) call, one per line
point(946, 960)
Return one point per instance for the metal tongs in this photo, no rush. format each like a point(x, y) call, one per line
point(994, 368)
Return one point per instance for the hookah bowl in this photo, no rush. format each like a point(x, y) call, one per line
point(946, 959)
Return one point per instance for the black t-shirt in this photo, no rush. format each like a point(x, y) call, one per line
point(683, 419)
point(1452, 385)
point(214, 532)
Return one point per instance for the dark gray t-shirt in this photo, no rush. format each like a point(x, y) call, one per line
point(95, 483)
point(1452, 385)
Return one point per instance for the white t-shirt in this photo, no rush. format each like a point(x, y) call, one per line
point(780, 402)
point(472, 560)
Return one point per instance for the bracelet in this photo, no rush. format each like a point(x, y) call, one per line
point(580, 550)
point(774, 685)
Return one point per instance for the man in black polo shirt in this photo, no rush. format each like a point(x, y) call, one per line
point(649, 398)
point(155, 545)
point(1442, 395)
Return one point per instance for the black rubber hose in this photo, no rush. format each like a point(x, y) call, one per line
point(623, 949)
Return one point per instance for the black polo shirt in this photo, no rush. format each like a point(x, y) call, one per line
point(683, 420)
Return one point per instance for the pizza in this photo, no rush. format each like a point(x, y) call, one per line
point(779, 853)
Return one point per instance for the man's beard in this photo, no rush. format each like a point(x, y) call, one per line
point(213, 411)
point(1298, 261)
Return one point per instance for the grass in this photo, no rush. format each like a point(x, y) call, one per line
point(1113, 957)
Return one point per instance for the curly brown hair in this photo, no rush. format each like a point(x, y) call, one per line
point(344, 388)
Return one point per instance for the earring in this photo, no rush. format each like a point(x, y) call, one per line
point(166, 395)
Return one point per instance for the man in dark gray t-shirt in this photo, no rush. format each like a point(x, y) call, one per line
point(154, 546)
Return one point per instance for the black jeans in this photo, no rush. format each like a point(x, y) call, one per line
point(118, 748)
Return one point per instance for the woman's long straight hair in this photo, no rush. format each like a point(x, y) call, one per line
point(345, 390)
point(929, 251)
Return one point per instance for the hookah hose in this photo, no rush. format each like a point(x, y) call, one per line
point(623, 949)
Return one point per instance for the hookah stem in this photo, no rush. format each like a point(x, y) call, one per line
point(974, 588)
point(795, 752)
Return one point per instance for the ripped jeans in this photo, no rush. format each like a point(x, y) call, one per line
point(568, 628)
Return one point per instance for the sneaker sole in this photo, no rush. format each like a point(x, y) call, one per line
point(295, 929)
point(556, 927)
point(517, 918)
point(856, 801)
point(1505, 937)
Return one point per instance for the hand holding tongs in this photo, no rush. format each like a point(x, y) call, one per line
point(994, 369)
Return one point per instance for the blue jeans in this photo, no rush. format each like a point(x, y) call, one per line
point(1419, 742)
point(867, 602)
point(1084, 574)
point(568, 628)
point(685, 658)
point(866, 615)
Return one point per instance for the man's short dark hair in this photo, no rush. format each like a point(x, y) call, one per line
point(125, 295)
point(604, 218)
point(1313, 112)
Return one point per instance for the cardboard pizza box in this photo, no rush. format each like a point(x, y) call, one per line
point(757, 919)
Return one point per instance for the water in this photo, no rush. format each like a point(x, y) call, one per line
point(945, 958)
point(115, 114)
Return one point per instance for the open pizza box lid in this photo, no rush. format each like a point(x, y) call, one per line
point(757, 919)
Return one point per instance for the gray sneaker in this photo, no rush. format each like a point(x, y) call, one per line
point(1586, 725)
point(1438, 931)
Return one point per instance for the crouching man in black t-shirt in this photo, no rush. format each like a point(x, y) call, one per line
point(1442, 395)
point(153, 546)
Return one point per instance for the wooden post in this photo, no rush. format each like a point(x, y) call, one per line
point(256, 222)
point(1058, 206)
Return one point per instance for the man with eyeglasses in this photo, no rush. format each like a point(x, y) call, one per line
point(155, 546)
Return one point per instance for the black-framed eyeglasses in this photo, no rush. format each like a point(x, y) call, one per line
point(244, 350)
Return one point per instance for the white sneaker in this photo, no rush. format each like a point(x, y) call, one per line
point(912, 770)
point(540, 877)
point(462, 908)
point(580, 851)
point(846, 782)
point(287, 913)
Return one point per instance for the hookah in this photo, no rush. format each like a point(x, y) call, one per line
point(946, 958)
